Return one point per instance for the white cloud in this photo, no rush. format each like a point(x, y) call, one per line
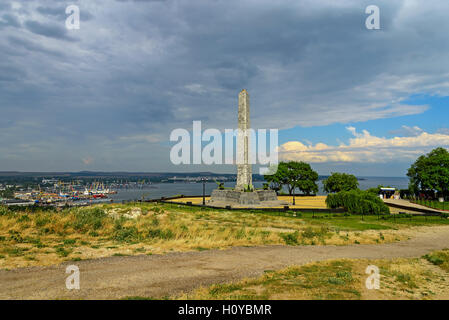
point(364, 147)
point(407, 131)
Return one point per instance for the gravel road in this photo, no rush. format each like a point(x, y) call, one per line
point(160, 275)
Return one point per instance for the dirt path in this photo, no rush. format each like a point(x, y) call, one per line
point(157, 276)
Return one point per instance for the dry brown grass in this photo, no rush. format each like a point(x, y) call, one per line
point(337, 279)
point(46, 238)
point(315, 202)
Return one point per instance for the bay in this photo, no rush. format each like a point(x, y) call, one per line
point(158, 190)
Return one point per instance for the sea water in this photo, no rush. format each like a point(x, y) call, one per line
point(159, 190)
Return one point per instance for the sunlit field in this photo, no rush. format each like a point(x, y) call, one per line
point(45, 237)
point(419, 278)
point(312, 202)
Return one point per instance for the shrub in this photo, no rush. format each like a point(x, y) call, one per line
point(126, 234)
point(336, 281)
point(62, 252)
point(434, 259)
point(161, 234)
point(23, 218)
point(15, 252)
point(309, 233)
point(41, 221)
point(15, 236)
point(69, 241)
point(4, 211)
point(291, 238)
point(90, 218)
point(358, 202)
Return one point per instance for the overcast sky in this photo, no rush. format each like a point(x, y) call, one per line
point(106, 96)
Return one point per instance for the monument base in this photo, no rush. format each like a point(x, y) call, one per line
point(235, 197)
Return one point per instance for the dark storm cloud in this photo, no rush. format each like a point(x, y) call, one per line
point(8, 20)
point(11, 73)
point(137, 69)
point(27, 46)
point(51, 30)
point(58, 12)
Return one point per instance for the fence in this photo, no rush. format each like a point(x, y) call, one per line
point(432, 204)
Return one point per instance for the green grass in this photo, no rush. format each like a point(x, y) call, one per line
point(291, 238)
point(336, 220)
point(171, 227)
point(62, 252)
point(15, 252)
point(371, 222)
point(325, 280)
point(439, 258)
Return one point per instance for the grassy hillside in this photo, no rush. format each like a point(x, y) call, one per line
point(44, 237)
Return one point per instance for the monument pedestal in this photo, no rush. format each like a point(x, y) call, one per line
point(233, 197)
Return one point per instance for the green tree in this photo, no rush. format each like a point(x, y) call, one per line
point(7, 194)
point(340, 182)
point(295, 175)
point(430, 172)
point(276, 177)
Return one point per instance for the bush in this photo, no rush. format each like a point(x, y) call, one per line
point(358, 202)
point(161, 234)
point(69, 241)
point(290, 239)
point(4, 211)
point(15, 236)
point(126, 234)
point(309, 233)
point(23, 218)
point(434, 259)
point(91, 218)
point(41, 221)
point(62, 252)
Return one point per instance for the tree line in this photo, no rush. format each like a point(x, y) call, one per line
point(428, 175)
point(298, 175)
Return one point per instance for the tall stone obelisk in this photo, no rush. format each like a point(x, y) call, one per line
point(244, 172)
point(228, 197)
